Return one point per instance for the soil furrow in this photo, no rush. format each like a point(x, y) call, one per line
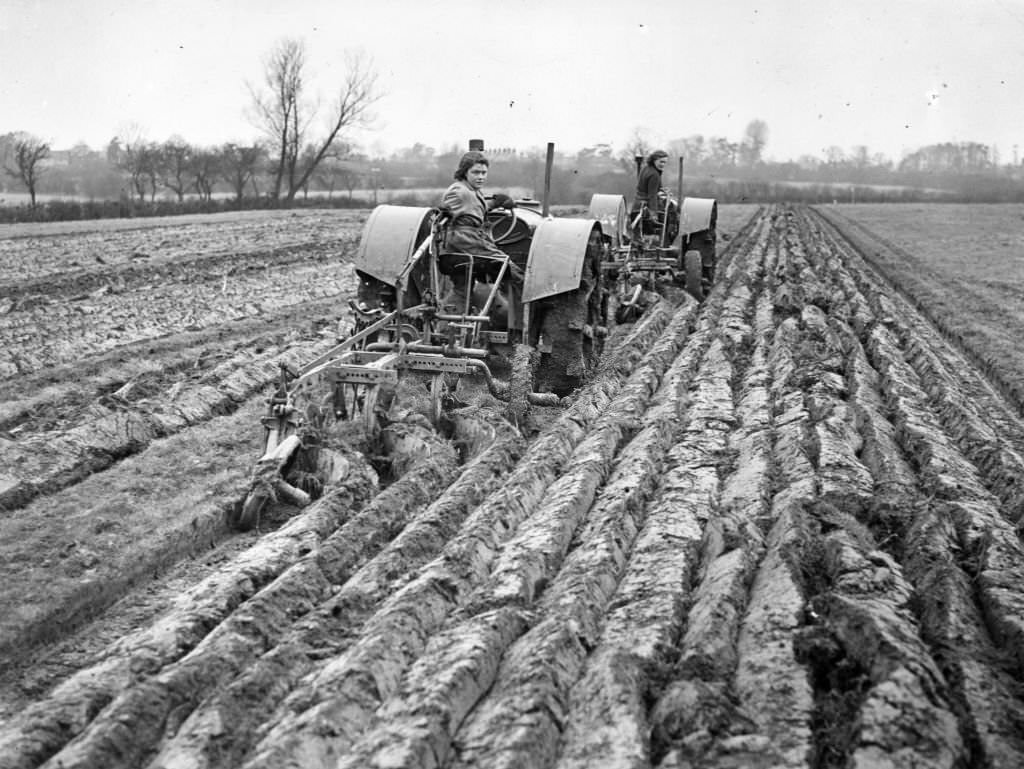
point(698, 698)
point(46, 462)
point(203, 740)
point(889, 704)
point(986, 431)
point(418, 724)
point(524, 713)
point(53, 397)
point(359, 680)
point(92, 549)
point(141, 273)
point(863, 644)
point(778, 528)
point(131, 727)
point(608, 722)
point(42, 729)
point(970, 511)
point(990, 551)
point(65, 252)
point(356, 682)
point(923, 298)
point(771, 684)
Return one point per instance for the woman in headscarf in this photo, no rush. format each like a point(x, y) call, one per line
point(648, 185)
point(467, 234)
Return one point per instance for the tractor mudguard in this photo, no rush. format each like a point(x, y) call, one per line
point(556, 257)
point(610, 212)
point(698, 214)
point(390, 236)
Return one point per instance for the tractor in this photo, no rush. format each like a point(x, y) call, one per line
point(680, 252)
point(543, 336)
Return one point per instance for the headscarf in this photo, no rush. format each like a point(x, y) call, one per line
point(469, 160)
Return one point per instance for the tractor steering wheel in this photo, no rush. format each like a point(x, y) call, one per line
point(493, 227)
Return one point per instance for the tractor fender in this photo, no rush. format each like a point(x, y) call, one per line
point(555, 262)
point(390, 237)
point(610, 212)
point(697, 214)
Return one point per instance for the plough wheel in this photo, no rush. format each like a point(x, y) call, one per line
point(629, 309)
point(439, 391)
point(358, 403)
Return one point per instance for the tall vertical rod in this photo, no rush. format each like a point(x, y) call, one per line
point(548, 163)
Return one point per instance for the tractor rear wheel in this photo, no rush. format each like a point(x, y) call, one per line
point(694, 268)
point(570, 328)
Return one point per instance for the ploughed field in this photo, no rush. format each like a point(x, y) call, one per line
point(779, 528)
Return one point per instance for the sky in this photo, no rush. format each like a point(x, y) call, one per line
point(892, 75)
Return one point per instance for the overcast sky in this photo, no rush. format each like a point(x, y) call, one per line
point(890, 74)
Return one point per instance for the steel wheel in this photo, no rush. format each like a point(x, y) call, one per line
point(439, 392)
point(357, 403)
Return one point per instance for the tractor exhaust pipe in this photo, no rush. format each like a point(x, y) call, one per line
point(549, 162)
point(680, 184)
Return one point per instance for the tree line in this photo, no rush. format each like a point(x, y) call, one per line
point(303, 149)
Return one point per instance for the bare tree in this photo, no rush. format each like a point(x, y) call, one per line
point(205, 168)
point(174, 159)
point(28, 154)
point(139, 158)
point(238, 165)
point(306, 160)
point(834, 155)
point(284, 112)
point(754, 140)
point(277, 107)
point(692, 148)
point(333, 168)
point(722, 152)
point(351, 171)
point(638, 146)
point(147, 169)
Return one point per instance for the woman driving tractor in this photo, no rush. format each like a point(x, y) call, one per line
point(646, 203)
point(468, 237)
